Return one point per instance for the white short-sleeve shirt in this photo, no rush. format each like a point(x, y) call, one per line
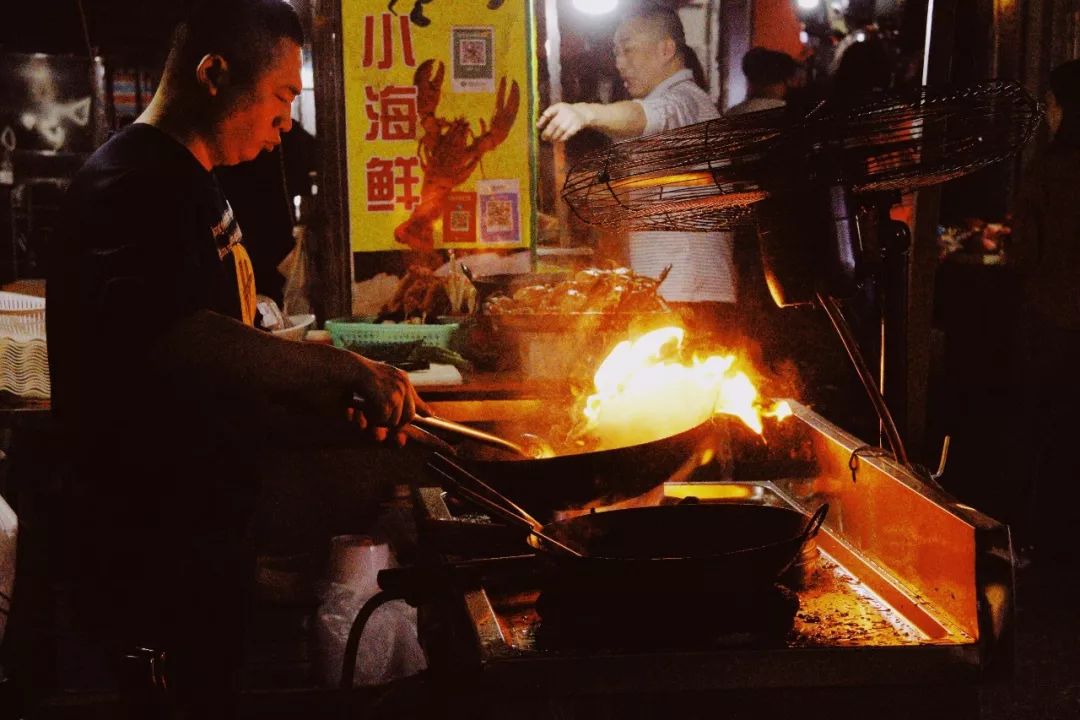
point(702, 263)
point(676, 102)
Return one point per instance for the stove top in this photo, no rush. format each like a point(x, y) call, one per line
point(817, 603)
point(900, 608)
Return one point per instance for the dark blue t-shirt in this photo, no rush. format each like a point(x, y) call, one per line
point(147, 241)
point(163, 479)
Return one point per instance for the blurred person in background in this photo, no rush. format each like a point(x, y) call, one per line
point(1045, 248)
point(770, 75)
point(865, 68)
point(665, 81)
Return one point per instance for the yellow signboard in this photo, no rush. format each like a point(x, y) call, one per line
point(439, 118)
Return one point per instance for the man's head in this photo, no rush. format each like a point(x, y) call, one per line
point(650, 46)
point(1064, 97)
point(235, 66)
point(769, 73)
point(865, 68)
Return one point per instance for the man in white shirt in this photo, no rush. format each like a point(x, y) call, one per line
point(663, 77)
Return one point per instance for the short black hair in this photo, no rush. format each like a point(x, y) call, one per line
point(244, 32)
point(865, 67)
point(1065, 84)
point(767, 67)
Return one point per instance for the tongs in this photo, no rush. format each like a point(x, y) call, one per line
point(472, 488)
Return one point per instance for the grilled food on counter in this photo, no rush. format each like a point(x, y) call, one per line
point(594, 290)
point(422, 294)
point(419, 294)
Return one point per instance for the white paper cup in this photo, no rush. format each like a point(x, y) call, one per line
point(355, 562)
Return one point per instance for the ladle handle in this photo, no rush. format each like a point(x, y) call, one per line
point(491, 506)
point(816, 521)
point(478, 486)
point(490, 499)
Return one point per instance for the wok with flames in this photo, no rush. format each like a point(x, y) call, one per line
point(654, 414)
point(596, 478)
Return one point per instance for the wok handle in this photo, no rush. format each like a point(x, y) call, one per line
point(816, 521)
point(418, 434)
point(438, 423)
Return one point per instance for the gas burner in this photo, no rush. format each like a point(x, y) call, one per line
point(573, 620)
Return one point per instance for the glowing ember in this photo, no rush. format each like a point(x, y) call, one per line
point(643, 385)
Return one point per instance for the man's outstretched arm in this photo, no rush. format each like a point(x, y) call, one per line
point(217, 351)
point(619, 120)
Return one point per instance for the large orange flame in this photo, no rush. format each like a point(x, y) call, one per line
point(643, 391)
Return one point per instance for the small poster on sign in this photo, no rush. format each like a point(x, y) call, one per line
point(500, 218)
point(459, 218)
point(473, 50)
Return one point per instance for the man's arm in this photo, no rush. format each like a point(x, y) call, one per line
point(217, 351)
point(619, 120)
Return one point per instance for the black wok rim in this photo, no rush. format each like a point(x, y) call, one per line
point(805, 533)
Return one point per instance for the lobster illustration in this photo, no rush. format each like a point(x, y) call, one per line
point(449, 151)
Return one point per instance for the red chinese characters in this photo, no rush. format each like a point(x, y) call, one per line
point(392, 182)
point(386, 60)
point(391, 112)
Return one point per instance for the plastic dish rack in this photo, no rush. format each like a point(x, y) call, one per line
point(24, 357)
point(355, 334)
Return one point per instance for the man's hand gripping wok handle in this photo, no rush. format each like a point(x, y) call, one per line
point(385, 402)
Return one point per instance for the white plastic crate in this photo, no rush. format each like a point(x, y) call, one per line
point(24, 358)
point(22, 316)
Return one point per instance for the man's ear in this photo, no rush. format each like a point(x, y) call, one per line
point(212, 73)
point(668, 48)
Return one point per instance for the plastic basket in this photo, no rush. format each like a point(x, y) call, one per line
point(22, 316)
point(24, 367)
point(357, 335)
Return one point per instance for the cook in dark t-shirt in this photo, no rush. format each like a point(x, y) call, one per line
point(162, 388)
point(150, 239)
point(162, 467)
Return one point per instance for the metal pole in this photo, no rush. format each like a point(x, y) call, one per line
point(553, 52)
point(333, 248)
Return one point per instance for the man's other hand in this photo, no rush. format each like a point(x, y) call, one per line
point(562, 121)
